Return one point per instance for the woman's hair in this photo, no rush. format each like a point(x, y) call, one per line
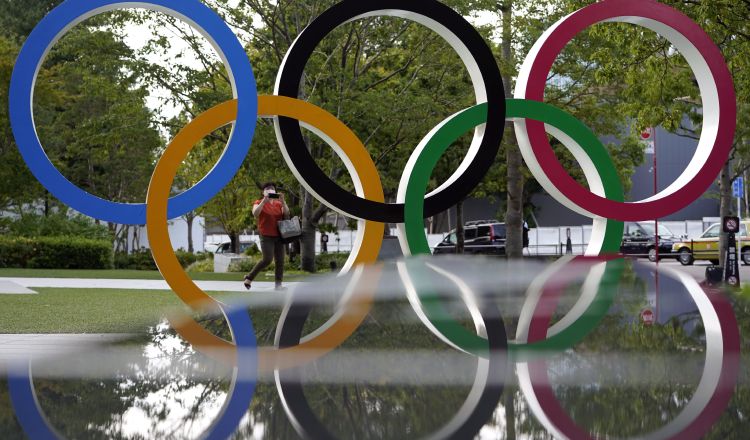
point(267, 185)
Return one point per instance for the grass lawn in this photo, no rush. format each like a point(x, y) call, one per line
point(137, 274)
point(56, 310)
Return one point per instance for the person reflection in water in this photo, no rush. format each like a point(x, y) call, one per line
point(268, 211)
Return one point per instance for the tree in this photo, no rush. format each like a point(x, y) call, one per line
point(90, 112)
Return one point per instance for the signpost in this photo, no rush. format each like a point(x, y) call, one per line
point(738, 191)
point(647, 317)
point(732, 264)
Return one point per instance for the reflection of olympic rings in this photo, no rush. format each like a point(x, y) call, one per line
point(719, 109)
point(72, 12)
point(597, 294)
point(711, 397)
point(476, 410)
point(367, 245)
point(36, 426)
point(488, 88)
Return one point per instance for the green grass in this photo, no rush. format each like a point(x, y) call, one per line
point(136, 274)
point(57, 310)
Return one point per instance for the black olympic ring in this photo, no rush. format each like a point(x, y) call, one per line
point(478, 408)
point(474, 52)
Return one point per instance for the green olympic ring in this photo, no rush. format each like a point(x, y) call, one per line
point(415, 238)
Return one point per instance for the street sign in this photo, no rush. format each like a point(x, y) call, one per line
point(738, 187)
point(647, 139)
point(647, 316)
point(731, 224)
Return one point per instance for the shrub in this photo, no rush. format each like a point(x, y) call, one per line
point(323, 261)
point(246, 265)
point(137, 260)
point(56, 225)
point(143, 260)
point(205, 265)
point(55, 253)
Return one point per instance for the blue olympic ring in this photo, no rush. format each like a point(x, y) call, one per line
point(72, 12)
point(35, 425)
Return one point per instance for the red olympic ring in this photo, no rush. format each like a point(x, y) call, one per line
point(717, 91)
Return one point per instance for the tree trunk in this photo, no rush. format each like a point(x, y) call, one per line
point(307, 243)
point(189, 217)
point(460, 227)
point(234, 240)
point(510, 413)
point(725, 207)
point(514, 160)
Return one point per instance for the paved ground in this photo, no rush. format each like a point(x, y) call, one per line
point(697, 270)
point(11, 288)
point(13, 285)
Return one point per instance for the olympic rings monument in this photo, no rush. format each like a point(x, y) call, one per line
point(533, 119)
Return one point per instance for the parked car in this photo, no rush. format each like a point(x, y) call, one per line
point(706, 247)
point(639, 240)
point(486, 237)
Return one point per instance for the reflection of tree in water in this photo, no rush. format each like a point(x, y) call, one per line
point(156, 395)
point(9, 427)
point(95, 408)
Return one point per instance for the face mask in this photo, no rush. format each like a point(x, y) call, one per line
point(266, 192)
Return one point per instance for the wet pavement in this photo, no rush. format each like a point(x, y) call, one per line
point(425, 348)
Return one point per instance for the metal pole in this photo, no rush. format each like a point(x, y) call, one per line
point(656, 190)
point(656, 229)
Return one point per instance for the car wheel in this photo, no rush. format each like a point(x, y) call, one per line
point(686, 257)
point(746, 256)
point(652, 255)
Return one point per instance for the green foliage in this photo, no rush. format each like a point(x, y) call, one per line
point(142, 259)
point(89, 109)
point(322, 263)
point(206, 265)
point(55, 225)
point(251, 251)
point(55, 253)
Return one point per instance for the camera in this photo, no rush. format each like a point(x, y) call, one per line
point(273, 196)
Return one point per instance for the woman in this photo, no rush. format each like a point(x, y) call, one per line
point(269, 210)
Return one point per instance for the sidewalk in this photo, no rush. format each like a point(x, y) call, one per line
point(12, 285)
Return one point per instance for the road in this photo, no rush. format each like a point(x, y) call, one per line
point(697, 270)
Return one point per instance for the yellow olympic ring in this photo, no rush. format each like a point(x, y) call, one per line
point(334, 131)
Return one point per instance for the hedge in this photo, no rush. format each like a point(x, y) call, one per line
point(55, 253)
point(322, 263)
point(142, 259)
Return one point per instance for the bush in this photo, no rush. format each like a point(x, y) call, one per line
point(205, 265)
point(246, 265)
point(137, 260)
point(323, 261)
point(56, 225)
point(143, 260)
point(55, 253)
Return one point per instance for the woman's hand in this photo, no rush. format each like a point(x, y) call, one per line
point(285, 208)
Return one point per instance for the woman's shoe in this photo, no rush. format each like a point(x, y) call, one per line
point(247, 282)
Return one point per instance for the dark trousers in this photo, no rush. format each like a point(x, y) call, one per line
point(273, 249)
